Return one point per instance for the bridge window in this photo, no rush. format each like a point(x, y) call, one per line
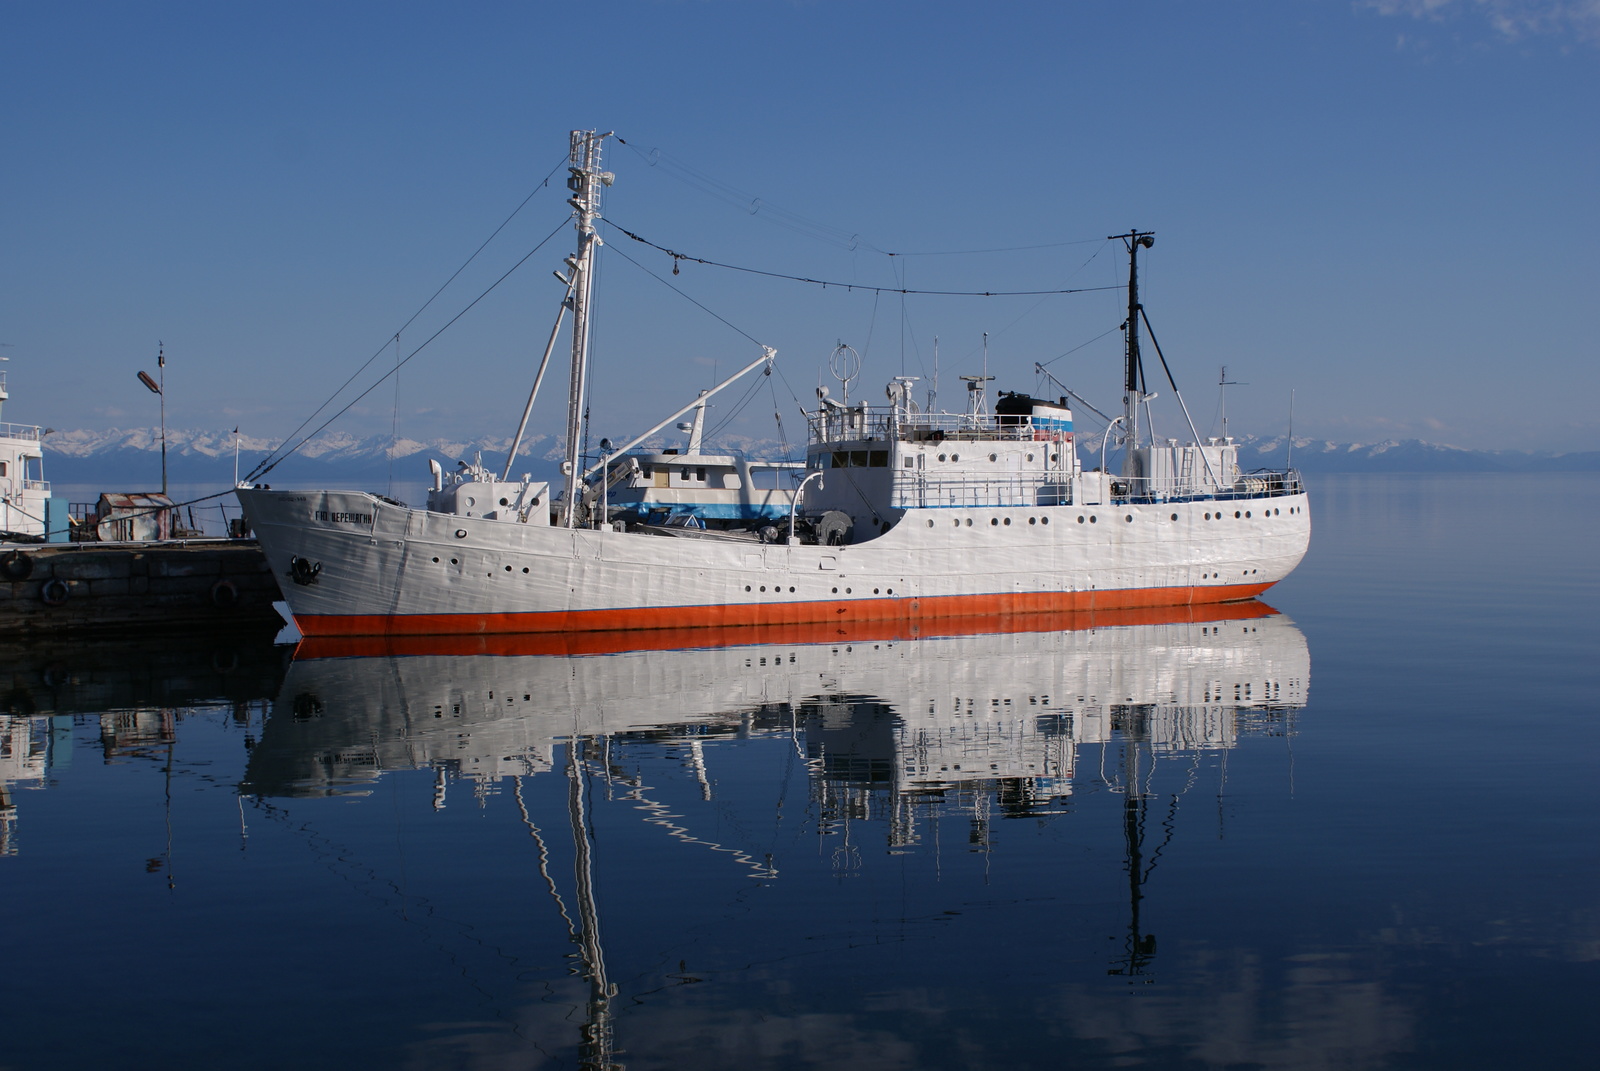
point(878, 459)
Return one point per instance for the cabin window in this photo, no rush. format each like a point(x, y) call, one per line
point(879, 459)
point(908, 463)
point(683, 474)
point(700, 475)
point(770, 479)
point(2, 468)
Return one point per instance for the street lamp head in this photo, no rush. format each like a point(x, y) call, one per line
point(144, 377)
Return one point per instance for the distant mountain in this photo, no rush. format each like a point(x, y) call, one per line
point(123, 459)
point(1408, 455)
point(130, 458)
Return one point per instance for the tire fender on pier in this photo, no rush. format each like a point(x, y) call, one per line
point(54, 592)
point(224, 595)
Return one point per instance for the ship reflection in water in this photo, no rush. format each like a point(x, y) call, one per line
point(895, 735)
point(883, 718)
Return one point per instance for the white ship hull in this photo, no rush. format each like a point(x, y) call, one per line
point(368, 567)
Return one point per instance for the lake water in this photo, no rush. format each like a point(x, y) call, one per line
point(1360, 833)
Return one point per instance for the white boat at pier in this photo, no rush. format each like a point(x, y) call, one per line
point(902, 515)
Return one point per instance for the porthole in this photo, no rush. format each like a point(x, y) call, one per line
point(453, 561)
point(747, 587)
point(956, 521)
point(847, 591)
point(791, 591)
point(889, 591)
point(1044, 520)
point(943, 457)
point(1129, 518)
point(461, 533)
point(1208, 516)
point(994, 457)
point(875, 591)
point(505, 502)
point(1093, 519)
point(1080, 518)
point(1247, 515)
point(508, 568)
point(930, 524)
point(1174, 516)
point(524, 568)
point(994, 521)
point(835, 590)
point(436, 561)
point(1008, 522)
point(1032, 520)
point(763, 587)
point(969, 522)
point(955, 457)
point(1030, 457)
point(1235, 514)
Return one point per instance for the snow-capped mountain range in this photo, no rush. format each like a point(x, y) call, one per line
point(116, 456)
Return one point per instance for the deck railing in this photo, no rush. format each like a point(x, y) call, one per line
point(884, 423)
point(932, 491)
point(28, 432)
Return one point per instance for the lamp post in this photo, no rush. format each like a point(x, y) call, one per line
point(159, 389)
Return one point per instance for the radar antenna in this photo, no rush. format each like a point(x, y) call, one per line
point(845, 364)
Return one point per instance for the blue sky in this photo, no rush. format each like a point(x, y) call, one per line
point(1388, 208)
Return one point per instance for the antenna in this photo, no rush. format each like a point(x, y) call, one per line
point(1223, 382)
point(1290, 463)
point(845, 364)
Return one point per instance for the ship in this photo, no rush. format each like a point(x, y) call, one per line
point(903, 514)
point(24, 492)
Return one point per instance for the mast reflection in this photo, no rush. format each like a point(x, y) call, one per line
point(988, 719)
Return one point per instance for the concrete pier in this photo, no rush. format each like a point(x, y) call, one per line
point(53, 587)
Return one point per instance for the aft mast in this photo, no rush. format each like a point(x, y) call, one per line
point(585, 180)
point(1133, 373)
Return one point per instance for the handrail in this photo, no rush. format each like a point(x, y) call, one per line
point(933, 491)
point(883, 423)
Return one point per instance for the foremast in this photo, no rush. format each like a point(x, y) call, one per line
point(585, 180)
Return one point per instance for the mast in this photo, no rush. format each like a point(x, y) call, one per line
point(585, 180)
point(1133, 371)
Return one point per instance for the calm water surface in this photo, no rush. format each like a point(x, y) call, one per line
point(1361, 833)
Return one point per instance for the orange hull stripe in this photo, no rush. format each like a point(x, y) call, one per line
point(744, 615)
point(809, 632)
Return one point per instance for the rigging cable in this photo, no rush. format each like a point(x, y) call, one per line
point(393, 338)
point(685, 297)
point(1080, 346)
point(268, 463)
point(678, 258)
